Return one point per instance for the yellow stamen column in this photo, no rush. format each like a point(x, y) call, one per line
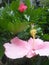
point(33, 34)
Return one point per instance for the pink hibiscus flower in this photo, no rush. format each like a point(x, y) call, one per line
point(19, 48)
point(16, 49)
point(37, 46)
point(22, 7)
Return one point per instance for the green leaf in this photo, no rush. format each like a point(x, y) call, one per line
point(1, 48)
point(25, 35)
point(28, 3)
point(1, 51)
point(3, 23)
point(46, 37)
point(17, 26)
point(14, 5)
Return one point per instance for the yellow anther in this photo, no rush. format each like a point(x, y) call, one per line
point(33, 33)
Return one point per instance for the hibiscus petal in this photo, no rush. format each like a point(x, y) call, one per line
point(22, 7)
point(18, 41)
point(17, 48)
point(13, 52)
point(31, 54)
point(43, 51)
point(35, 43)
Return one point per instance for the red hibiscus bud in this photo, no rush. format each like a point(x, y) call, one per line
point(22, 7)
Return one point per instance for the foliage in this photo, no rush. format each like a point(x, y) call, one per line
point(44, 3)
point(14, 23)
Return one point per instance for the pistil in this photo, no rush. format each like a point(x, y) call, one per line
point(33, 34)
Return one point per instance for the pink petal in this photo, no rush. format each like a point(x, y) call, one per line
point(43, 51)
point(17, 48)
point(22, 7)
point(22, 4)
point(31, 54)
point(13, 52)
point(18, 41)
point(35, 43)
